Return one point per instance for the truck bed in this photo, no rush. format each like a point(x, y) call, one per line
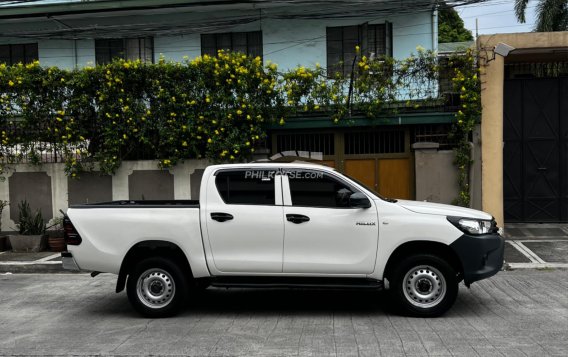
point(141, 204)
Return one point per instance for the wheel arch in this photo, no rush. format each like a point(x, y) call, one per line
point(152, 248)
point(430, 247)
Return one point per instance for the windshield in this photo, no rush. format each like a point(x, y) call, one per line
point(372, 190)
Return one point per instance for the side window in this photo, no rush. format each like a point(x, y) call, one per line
point(246, 187)
point(316, 189)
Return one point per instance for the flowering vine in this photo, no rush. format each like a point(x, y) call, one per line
point(213, 107)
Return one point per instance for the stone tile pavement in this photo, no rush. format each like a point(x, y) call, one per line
point(515, 313)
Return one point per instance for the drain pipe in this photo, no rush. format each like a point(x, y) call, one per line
point(435, 28)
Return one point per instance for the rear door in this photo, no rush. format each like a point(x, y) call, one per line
point(323, 234)
point(244, 221)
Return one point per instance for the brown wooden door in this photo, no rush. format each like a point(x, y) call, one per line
point(389, 177)
point(394, 178)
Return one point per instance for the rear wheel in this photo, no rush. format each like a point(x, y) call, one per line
point(156, 287)
point(424, 285)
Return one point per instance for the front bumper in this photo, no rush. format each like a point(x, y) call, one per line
point(69, 262)
point(480, 256)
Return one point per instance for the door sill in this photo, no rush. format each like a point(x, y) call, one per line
point(295, 282)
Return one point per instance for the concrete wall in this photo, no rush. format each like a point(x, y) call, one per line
point(492, 81)
point(46, 187)
point(436, 174)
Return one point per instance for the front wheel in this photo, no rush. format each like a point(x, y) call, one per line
point(156, 287)
point(424, 285)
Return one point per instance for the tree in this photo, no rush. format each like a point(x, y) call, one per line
point(450, 26)
point(551, 15)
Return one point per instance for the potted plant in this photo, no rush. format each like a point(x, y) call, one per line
point(31, 227)
point(55, 239)
point(3, 238)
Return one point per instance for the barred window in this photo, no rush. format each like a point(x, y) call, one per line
point(341, 43)
point(132, 49)
point(18, 53)
point(249, 43)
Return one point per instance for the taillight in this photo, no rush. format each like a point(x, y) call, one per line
point(71, 235)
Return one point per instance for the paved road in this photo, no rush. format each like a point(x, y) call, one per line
point(516, 313)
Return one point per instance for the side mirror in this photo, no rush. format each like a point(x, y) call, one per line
point(359, 200)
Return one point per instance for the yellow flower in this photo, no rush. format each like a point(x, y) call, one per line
point(357, 49)
point(184, 143)
point(207, 99)
point(10, 83)
point(239, 112)
point(209, 140)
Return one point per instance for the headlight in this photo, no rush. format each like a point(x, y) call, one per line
point(473, 226)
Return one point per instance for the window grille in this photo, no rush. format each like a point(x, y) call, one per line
point(249, 43)
point(315, 142)
point(341, 43)
point(18, 53)
point(435, 133)
point(131, 49)
point(375, 142)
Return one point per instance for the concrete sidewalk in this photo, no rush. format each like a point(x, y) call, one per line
point(532, 246)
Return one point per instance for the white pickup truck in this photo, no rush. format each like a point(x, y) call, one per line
point(283, 225)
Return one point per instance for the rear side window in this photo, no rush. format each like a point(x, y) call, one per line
point(246, 187)
point(315, 189)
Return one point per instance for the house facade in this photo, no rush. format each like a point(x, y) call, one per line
point(378, 151)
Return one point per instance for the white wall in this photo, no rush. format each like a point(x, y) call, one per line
point(290, 43)
point(63, 54)
point(286, 42)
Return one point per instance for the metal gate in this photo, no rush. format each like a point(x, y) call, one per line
point(535, 168)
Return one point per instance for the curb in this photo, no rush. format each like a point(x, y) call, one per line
point(33, 268)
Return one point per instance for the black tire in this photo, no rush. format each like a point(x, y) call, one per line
point(423, 285)
point(156, 287)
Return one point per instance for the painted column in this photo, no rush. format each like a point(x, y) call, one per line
point(492, 83)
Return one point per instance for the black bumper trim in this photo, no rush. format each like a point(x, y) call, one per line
point(481, 256)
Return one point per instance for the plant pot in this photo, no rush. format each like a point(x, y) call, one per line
point(56, 244)
point(30, 244)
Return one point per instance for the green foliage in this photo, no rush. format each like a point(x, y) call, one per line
point(451, 27)
point(29, 223)
point(215, 108)
point(552, 15)
point(466, 83)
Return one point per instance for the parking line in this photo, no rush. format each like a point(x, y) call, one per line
point(526, 252)
point(48, 258)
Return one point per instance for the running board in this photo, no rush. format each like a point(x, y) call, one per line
point(300, 282)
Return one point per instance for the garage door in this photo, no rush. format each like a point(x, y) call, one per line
point(536, 150)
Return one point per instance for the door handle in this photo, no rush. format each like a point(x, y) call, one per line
point(297, 218)
point(221, 217)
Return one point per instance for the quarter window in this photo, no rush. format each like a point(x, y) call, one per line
point(246, 187)
point(315, 189)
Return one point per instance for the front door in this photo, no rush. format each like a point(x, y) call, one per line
point(245, 225)
point(323, 234)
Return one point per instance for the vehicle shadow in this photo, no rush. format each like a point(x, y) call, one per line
point(286, 300)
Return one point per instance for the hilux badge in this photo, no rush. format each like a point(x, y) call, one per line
point(365, 223)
